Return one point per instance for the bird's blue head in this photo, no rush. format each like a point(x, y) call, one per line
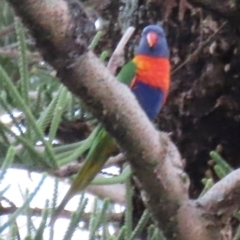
point(153, 42)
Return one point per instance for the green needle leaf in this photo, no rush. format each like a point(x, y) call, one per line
point(13, 217)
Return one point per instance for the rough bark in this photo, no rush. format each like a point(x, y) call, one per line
point(62, 34)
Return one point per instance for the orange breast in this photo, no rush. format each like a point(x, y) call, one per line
point(153, 71)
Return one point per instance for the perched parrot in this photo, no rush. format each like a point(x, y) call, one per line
point(148, 74)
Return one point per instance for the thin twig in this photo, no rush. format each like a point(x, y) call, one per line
point(199, 49)
point(112, 217)
point(15, 54)
point(116, 59)
point(115, 160)
point(7, 30)
point(70, 169)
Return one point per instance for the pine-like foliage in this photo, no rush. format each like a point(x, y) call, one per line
point(34, 107)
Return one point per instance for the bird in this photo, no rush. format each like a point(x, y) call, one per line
point(148, 75)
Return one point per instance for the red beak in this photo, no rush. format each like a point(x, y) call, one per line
point(152, 39)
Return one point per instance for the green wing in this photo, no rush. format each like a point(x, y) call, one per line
point(103, 146)
point(127, 73)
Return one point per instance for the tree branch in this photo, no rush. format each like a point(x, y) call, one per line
point(111, 217)
point(62, 34)
point(116, 192)
point(222, 200)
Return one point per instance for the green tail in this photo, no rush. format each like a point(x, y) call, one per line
point(103, 146)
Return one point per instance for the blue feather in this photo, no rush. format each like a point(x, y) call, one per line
point(149, 98)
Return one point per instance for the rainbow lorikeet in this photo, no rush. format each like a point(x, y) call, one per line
point(148, 74)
